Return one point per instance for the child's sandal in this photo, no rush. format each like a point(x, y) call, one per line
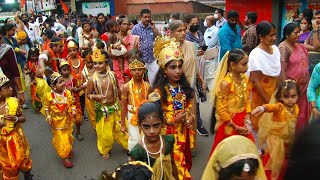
point(67, 164)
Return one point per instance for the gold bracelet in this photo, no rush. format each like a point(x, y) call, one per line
point(90, 97)
point(20, 92)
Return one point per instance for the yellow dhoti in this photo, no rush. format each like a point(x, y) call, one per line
point(91, 112)
point(108, 131)
point(62, 141)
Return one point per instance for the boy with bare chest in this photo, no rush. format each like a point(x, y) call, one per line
point(102, 89)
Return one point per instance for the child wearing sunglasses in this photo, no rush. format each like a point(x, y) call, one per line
point(154, 149)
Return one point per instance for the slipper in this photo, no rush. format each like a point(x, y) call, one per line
point(67, 163)
point(79, 137)
point(106, 156)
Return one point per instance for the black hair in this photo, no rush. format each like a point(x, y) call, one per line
point(85, 53)
point(161, 80)
point(284, 87)
point(7, 27)
point(49, 33)
point(109, 16)
point(111, 23)
point(33, 51)
point(6, 20)
point(134, 21)
point(54, 40)
point(307, 13)
point(253, 16)
point(236, 168)
point(317, 12)
point(85, 22)
point(235, 55)
point(148, 108)
point(5, 84)
point(176, 16)
point(220, 11)
point(305, 152)
point(49, 82)
point(145, 11)
point(264, 28)
point(189, 17)
point(24, 14)
point(99, 14)
point(232, 14)
point(121, 16)
point(100, 44)
point(288, 29)
point(128, 172)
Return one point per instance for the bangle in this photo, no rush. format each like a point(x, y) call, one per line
point(90, 96)
point(17, 119)
point(48, 117)
point(22, 91)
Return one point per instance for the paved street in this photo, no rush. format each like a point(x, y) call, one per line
point(88, 163)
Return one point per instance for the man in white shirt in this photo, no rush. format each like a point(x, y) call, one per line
point(221, 20)
point(30, 29)
point(211, 39)
point(40, 19)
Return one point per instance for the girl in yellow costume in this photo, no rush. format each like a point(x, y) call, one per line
point(60, 112)
point(14, 146)
point(103, 90)
point(87, 72)
point(176, 98)
point(277, 128)
point(236, 157)
point(231, 98)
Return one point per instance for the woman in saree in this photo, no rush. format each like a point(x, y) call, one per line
point(132, 44)
point(294, 65)
point(264, 67)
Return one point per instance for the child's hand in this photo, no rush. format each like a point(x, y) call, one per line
point(123, 128)
point(242, 130)
point(188, 123)
point(49, 120)
point(99, 98)
point(258, 111)
point(9, 117)
point(180, 117)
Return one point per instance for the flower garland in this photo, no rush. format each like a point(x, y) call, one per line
point(75, 75)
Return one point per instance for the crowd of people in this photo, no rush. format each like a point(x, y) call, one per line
point(142, 88)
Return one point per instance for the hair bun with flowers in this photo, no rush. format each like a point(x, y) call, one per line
point(167, 49)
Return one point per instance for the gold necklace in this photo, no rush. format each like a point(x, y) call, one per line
point(76, 67)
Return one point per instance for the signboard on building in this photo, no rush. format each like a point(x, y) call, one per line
point(292, 8)
point(46, 5)
point(94, 8)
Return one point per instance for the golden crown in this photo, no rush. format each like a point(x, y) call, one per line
point(54, 77)
point(98, 56)
point(167, 49)
point(136, 64)
point(72, 44)
point(3, 79)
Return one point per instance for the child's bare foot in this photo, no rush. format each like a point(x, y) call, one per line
point(106, 156)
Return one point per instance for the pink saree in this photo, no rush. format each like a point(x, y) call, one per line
point(297, 69)
point(132, 42)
